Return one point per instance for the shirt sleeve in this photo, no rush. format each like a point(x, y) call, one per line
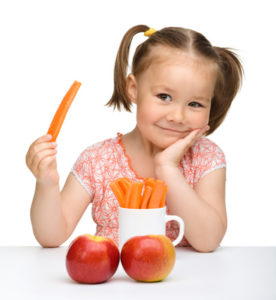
point(207, 158)
point(82, 169)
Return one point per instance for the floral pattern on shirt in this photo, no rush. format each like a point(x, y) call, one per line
point(106, 161)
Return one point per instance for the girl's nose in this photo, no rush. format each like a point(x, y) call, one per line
point(177, 115)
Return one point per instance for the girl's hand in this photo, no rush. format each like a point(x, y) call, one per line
point(41, 160)
point(172, 155)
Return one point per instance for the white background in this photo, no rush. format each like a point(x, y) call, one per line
point(46, 45)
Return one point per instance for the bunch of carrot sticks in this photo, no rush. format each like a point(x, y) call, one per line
point(150, 194)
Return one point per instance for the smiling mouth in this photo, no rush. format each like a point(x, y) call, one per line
point(172, 130)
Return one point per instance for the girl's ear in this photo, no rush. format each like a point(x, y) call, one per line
point(131, 88)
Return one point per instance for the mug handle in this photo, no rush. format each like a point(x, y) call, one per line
point(181, 227)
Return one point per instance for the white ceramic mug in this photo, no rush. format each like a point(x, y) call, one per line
point(136, 222)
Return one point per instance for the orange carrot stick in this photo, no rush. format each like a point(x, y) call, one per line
point(139, 193)
point(118, 193)
point(62, 110)
point(146, 196)
point(128, 195)
point(150, 182)
point(124, 184)
point(163, 200)
point(127, 179)
point(157, 194)
point(135, 195)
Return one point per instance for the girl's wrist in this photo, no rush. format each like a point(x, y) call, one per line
point(45, 185)
point(164, 171)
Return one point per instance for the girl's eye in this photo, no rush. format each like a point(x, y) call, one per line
point(195, 104)
point(165, 97)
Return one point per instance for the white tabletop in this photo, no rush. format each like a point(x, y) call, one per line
point(228, 273)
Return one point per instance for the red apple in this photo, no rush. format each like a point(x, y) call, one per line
point(92, 259)
point(148, 258)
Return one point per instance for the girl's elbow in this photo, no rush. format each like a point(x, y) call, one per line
point(213, 243)
point(208, 245)
point(50, 240)
point(49, 245)
point(206, 249)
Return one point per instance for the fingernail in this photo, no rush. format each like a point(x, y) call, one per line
point(49, 136)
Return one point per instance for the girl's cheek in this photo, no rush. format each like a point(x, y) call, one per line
point(146, 112)
point(202, 119)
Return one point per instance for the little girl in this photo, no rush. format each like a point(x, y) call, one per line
point(182, 87)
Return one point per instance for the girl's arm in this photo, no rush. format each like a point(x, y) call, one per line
point(203, 208)
point(54, 214)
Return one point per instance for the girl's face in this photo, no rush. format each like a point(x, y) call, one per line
point(173, 95)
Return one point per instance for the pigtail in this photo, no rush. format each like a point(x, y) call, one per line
point(120, 96)
point(228, 84)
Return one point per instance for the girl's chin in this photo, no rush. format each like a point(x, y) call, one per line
point(161, 141)
point(166, 142)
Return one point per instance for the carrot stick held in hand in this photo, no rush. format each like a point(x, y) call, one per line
point(62, 110)
point(152, 194)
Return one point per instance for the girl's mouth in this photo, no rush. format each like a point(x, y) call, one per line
point(173, 130)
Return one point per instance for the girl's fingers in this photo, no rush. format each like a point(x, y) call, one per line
point(174, 153)
point(190, 139)
point(39, 157)
point(204, 130)
point(45, 162)
point(44, 138)
point(197, 133)
point(193, 136)
point(43, 146)
point(37, 148)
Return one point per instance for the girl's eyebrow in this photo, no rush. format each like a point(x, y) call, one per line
point(164, 87)
point(202, 98)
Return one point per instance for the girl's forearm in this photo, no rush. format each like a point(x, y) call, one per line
point(48, 222)
point(204, 228)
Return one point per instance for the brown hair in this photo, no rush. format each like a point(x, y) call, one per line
point(229, 76)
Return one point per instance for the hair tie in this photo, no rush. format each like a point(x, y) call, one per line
point(149, 32)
